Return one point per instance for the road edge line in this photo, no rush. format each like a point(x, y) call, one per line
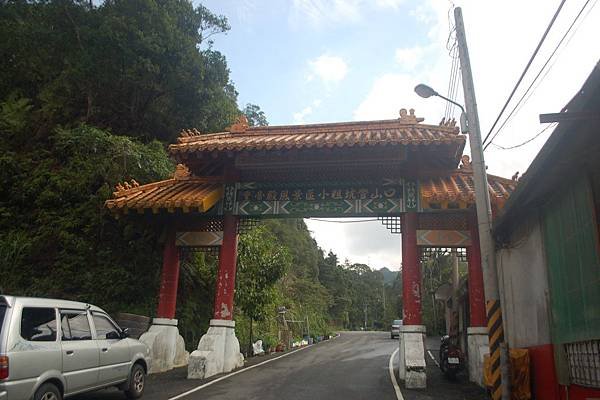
point(239, 371)
point(433, 358)
point(393, 376)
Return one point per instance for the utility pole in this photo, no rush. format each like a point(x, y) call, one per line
point(498, 348)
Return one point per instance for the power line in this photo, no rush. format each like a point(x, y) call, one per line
point(527, 141)
point(344, 222)
point(523, 100)
point(526, 69)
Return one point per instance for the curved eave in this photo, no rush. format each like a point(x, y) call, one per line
point(457, 191)
point(185, 195)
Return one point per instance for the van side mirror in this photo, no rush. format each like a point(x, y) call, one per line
point(113, 335)
point(125, 333)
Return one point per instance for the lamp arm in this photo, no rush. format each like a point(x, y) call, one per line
point(453, 102)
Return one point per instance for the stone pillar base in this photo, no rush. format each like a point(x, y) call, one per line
point(411, 367)
point(218, 351)
point(167, 347)
point(478, 346)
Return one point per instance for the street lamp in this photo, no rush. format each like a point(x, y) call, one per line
point(425, 92)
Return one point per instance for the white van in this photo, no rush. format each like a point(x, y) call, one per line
point(51, 349)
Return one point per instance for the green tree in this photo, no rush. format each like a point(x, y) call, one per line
point(255, 116)
point(262, 261)
point(130, 66)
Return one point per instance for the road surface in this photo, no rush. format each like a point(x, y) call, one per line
point(354, 366)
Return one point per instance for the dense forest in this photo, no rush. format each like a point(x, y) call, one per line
point(91, 94)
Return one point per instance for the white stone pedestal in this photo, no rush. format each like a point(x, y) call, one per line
point(218, 351)
point(411, 367)
point(167, 347)
point(478, 346)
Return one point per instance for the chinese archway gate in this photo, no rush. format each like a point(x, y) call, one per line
point(411, 175)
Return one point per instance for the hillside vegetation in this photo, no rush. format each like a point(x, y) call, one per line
point(91, 95)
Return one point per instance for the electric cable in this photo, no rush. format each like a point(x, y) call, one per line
point(531, 139)
point(537, 49)
point(344, 222)
point(522, 100)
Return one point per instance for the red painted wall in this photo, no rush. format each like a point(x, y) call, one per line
point(544, 384)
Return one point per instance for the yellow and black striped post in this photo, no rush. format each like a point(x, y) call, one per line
point(496, 336)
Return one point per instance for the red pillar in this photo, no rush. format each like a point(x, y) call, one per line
point(227, 266)
point(411, 271)
point(167, 298)
point(476, 291)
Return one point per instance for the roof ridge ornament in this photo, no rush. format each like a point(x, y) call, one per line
point(449, 123)
point(121, 187)
point(188, 133)
point(240, 125)
point(409, 117)
point(181, 172)
point(465, 164)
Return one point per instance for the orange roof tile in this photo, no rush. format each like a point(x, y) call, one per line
point(405, 130)
point(183, 192)
point(458, 187)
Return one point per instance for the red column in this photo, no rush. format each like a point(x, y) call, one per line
point(411, 271)
point(476, 291)
point(167, 298)
point(227, 267)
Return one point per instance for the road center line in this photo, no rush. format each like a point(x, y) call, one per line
point(433, 358)
point(239, 371)
point(393, 376)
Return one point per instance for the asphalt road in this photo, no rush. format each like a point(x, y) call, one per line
point(353, 366)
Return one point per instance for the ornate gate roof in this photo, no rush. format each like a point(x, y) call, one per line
point(427, 154)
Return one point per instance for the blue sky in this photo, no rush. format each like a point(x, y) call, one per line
point(308, 61)
point(279, 53)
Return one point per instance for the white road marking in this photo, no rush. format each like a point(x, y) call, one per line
point(239, 371)
point(433, 358)
point(393, 376)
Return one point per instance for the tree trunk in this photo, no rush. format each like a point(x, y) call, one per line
point(250, 348)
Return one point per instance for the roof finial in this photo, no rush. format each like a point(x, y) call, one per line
point(409, 117)
point(240, 125)
point(465, 163)
point(181, 172)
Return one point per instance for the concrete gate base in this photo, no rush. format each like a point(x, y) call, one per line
point(478, 346)
point(218, 351)
point(412, 356)
point(167, 347)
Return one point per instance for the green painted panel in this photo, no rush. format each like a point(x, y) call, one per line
point(571, 245)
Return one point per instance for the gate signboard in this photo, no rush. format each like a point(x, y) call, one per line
point(317, 198)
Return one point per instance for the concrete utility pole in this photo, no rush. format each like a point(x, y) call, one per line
point(498, 349)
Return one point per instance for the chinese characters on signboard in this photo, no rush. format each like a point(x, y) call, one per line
point(320, 194)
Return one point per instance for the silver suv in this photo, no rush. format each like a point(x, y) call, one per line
point(50, 349)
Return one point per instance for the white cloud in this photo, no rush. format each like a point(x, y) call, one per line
point(300, 116)
point(409, 57)
point(395, 4)
point(319, 12)
point(330, 69)
point(361, 242)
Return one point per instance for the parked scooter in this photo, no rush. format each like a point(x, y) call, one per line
point(452, 360)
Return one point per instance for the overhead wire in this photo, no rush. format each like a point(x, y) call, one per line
point(535, 52)
point(344, 222)
point(527, 95)
point(531, 139)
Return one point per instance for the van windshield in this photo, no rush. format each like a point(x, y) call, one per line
point(2, 312)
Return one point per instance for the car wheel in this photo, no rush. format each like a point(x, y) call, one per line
point(47, 391)
point(137, 382)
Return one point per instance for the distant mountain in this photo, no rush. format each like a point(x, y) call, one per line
point(388, 275)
